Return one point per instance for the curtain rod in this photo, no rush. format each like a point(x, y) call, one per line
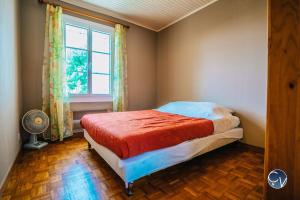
point(77, 12)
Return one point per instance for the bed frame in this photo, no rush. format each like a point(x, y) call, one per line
point(207, 144)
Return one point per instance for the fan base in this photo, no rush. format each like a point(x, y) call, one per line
point(36, 145)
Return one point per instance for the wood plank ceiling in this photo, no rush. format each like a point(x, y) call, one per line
point(152, 14)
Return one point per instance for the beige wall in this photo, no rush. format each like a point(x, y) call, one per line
point(141, 44)
point(219, 54)
point(9, 90)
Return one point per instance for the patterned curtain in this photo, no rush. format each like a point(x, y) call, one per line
point(55, 102)
point(120, 70)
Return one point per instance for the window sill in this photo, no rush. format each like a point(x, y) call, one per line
point(94, 99)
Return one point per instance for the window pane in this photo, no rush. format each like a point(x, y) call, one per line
point(76, 37)
point(77, 71)
point(100, 84)
point(100, 63)
point(100, 42)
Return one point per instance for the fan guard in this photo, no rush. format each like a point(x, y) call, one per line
point(35, 122)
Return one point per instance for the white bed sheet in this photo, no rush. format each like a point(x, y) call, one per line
point(144, 164)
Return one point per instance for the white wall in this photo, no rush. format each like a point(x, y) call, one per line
point(219, 54)
point(9, 86)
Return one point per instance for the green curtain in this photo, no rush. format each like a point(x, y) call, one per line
point(55, 102)
point(120, 70)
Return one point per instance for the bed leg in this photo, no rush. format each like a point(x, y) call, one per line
point(129, 188)
point(89, 146)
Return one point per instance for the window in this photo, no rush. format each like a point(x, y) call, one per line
point(89, 53)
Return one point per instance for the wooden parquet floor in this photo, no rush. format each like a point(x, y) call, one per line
point(70, 171)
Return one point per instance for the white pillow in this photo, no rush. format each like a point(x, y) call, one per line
point(221, 116)
point(194, 109)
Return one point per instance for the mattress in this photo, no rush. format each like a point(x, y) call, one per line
point(144, 164)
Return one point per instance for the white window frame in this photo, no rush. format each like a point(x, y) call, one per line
point(91, 26)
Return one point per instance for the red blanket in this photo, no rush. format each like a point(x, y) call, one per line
point(128, 134)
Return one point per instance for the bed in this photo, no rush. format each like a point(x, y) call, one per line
point(183, 130)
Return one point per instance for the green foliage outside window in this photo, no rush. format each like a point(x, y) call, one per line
point(77, 71)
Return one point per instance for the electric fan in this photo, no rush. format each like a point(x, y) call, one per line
point(35, 122)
